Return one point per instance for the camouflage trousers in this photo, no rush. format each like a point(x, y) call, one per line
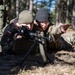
point(67, 40)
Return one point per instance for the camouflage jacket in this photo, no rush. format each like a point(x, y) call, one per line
point(60, 40)
point(8, 33)
point(20, 45)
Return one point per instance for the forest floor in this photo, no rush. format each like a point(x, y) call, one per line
point(62, 63)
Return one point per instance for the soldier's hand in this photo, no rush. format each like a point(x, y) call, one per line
point(16, 36)
point(35, 22)
point(19, 37)
point(64, 27)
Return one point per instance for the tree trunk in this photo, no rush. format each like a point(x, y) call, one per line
point(67, 11)
point(73, 17)
point(27, 5)
point(1, 15)
point(30, 5)
point(57, 11)
point(17, 8)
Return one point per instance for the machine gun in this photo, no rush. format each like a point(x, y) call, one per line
point(37, 37)
point(24, 31)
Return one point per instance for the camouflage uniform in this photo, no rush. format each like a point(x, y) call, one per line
point(68, 39)
point(7, 37)
point(9, 31)
point(59, 40)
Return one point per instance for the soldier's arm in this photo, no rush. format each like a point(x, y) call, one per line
point(59, 29)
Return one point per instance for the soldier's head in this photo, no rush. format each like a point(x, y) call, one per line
point(42, 17)
point(25, 19)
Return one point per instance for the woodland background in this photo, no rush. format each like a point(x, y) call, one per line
point(60, 10)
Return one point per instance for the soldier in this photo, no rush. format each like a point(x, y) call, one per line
point(54, 32)
point(11, 31)
point(10, 34)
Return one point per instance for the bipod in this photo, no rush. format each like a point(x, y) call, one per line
point(17, 67)
point(42, 52)
point(27, 53)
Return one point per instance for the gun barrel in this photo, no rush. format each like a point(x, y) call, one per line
point(39, 36)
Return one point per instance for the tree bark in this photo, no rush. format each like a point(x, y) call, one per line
point(30, 5)
point(67, 10)
point(57, 11)
point(73, 17)
point(17, 8)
